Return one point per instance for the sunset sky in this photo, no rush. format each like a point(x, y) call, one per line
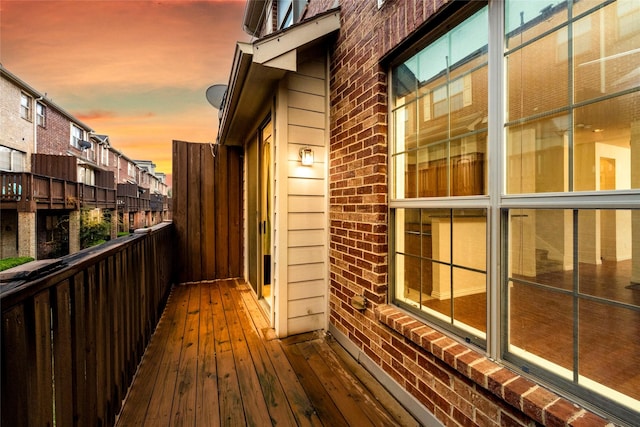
point(136, 70)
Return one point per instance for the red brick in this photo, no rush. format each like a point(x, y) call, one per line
point(480, 371)
point(514, 390)
point(432, 368)
point(559, 413)
point(533, 403)
point(404, 348)
point(438, 400)
point(451, 354)
point(497, 380)
point(588, 419)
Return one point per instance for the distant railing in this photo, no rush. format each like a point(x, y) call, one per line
point(72, 338)
point(13, 185)
point(29, 190)
point(132, 198)
point(157, 202)
point(98, 196)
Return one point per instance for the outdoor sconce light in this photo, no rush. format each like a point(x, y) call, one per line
point(306, 156)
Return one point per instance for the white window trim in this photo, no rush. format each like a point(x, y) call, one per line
point(41, 118)
point(28, 107)
point(74, 139)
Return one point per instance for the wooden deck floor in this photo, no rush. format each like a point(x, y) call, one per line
point(213, 361)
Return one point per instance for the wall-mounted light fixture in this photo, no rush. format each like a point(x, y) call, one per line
point(306, 156)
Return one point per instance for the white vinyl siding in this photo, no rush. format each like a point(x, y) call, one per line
point(303, 266)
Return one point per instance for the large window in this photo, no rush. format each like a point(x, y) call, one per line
point(515, 178)
point(439, 152)
point(441, 265)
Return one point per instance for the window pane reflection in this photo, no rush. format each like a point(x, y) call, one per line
point(441, 95)
point(563, 259)
point(441, 268)
point(538, 156)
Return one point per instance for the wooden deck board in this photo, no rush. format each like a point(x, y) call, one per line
point(272, 390)
point(213, 360)
point(138, 398)
point(207, 386)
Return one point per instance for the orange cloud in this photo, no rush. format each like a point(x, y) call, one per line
point(93, 115)
point(135, 70)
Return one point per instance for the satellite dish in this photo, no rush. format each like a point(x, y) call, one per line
point(215, 95)
point(84, 144)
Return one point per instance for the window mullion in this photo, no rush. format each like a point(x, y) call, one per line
point(495, 172)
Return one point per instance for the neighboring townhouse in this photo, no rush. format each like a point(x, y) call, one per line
point(53, 169)
point(157, 191)
point(452, 190)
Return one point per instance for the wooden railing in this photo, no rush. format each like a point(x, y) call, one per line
point(28, 191)
point(72, 339)
point(132, 198)
point(97, 196)
point(157, 202)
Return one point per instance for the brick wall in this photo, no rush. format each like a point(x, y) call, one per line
point(16, 132)
point(455, 382)
point(55, 137)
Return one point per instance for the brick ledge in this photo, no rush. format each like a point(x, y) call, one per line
point(538, 403)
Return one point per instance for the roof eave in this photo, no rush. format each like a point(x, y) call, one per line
point(257, 68)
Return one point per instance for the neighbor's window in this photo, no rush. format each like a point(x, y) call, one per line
point(25, 106)
point(12, 160)
point(289, 12)
point(41, 114)
point(77, 135)
point(105, 155)
point(440, 151)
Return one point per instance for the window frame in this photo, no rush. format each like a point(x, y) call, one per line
point(26, 106)
point(15, 158)
point(74, 139)
point(498, 203)
point(41, 114)
point(480, 201)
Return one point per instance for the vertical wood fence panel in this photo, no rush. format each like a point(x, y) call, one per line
point(72, 338)
point(207, 211)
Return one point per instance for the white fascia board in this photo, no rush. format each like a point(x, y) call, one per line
point(282, 43)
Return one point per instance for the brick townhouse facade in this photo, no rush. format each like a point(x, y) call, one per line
point(53, 167)
point(468, 226)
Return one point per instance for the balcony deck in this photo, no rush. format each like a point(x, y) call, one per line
point(213, 360)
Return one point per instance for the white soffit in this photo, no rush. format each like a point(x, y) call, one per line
point(287, 61)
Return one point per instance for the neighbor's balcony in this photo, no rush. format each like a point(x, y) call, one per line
point(132, 198)
point(28, 192)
